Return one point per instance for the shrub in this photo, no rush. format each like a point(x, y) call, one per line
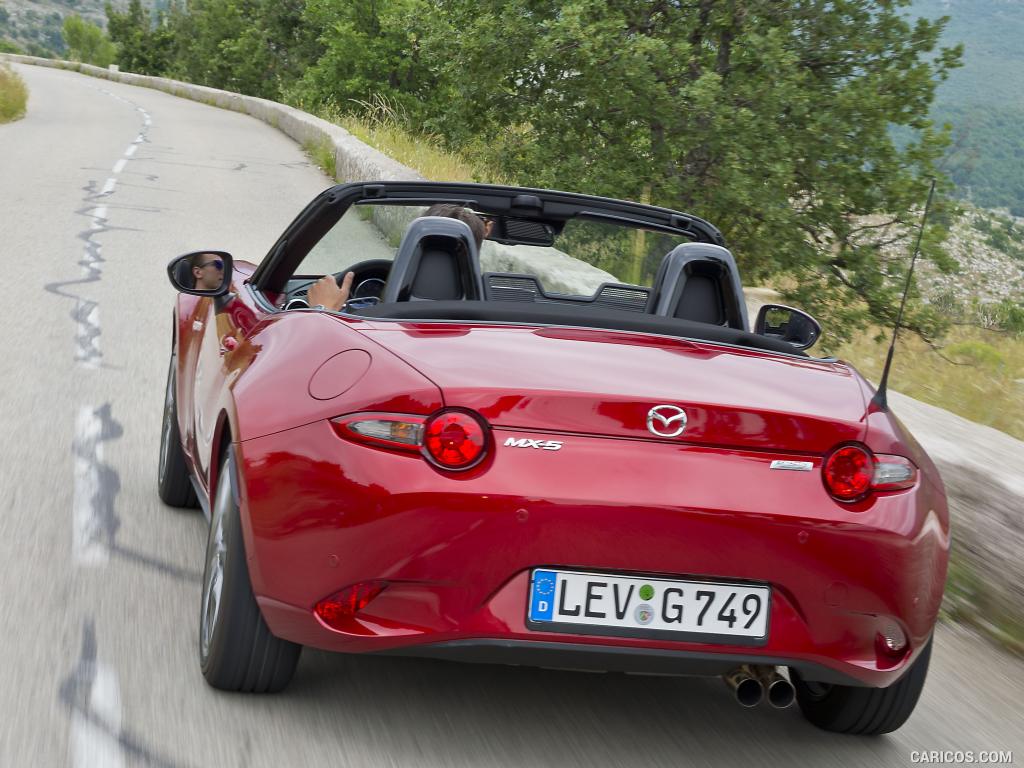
point(13, 95)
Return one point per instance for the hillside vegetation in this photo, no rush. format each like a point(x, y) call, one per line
point(984, 100)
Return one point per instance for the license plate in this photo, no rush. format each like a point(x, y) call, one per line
point(601, 603)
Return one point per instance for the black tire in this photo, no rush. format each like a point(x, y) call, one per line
point(236, 650)
point(173, 481)
point(863, 711)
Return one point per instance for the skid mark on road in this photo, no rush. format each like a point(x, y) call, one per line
point(92, 695)
point(86, 311)
point(96, 485)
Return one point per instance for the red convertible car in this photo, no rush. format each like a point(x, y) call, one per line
point(495, 453)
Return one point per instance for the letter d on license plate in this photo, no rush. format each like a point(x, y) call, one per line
point(630, 606)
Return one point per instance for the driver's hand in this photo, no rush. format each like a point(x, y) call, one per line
point(326, 291)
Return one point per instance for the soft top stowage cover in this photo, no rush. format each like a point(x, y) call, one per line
point(587, 317)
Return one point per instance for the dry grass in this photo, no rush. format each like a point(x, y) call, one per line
point(386, 128)
point(322, 153)
point(982, 380)
point(13, 95)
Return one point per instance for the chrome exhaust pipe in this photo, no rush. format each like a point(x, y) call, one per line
point(745, 685)
point(781, 693)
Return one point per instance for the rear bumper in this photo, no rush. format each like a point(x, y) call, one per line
point(320, 514)
point(608, 658)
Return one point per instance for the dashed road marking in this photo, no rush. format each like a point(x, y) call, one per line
point(92, 740)
point(119, 165)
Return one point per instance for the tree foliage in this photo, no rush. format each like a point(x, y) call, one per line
point(145, 45)
point(87, 43)
point(772, 120)
point(371, 50)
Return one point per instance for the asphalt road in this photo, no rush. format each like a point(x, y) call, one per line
point(100, 582)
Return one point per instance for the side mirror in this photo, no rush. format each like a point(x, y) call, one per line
point(776, 321)
point(201, 273)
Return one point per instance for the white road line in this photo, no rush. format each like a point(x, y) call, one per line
point(88, 542)
point(95, 734)
point(131, 148)
point(99, 212)
point(108, 187)
point(119, 165)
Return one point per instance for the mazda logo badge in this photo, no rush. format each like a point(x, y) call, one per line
point(666, 420)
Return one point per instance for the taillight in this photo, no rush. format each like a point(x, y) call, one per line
point(450, 439)
point(454, 440)
point(338, 610)
point(893, 473)
point(848, 472)
point(398, 431)
point(852, 471)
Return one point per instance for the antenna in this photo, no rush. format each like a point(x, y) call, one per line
point(880, 398)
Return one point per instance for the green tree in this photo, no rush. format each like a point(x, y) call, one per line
point(770, 119)
point(86, 42)
point(371, 50)
point(144, 44)
point(258, 47)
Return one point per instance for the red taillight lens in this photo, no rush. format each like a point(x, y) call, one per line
point(848, 472)
point(454, 440)
point(338, 610)
point(851, 471)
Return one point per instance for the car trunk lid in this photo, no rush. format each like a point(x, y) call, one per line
point(606, 383)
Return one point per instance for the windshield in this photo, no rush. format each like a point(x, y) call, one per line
point(580, 255)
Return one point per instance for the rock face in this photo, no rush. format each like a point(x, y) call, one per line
point(987, 273)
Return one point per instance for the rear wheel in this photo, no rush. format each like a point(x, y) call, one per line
point(173, 481)
point(864, 711)
point(236, 650)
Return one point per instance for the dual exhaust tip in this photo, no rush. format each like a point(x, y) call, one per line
point(751, 682)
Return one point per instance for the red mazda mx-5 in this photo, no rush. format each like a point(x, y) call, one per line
point(494, 452)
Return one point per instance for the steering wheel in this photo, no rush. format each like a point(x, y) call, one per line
point(370, 277)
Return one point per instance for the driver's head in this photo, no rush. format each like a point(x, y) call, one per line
point(476, 225)
point(208, 271)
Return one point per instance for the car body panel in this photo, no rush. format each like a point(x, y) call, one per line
point(456, 554)
point(605, 382)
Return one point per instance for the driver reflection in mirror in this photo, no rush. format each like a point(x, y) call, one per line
point(326, 292)
point(208, 271)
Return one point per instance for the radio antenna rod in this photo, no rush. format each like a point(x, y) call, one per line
point(880, 399)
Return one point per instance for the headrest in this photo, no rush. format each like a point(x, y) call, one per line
point(436, 260)
point(700, 281)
